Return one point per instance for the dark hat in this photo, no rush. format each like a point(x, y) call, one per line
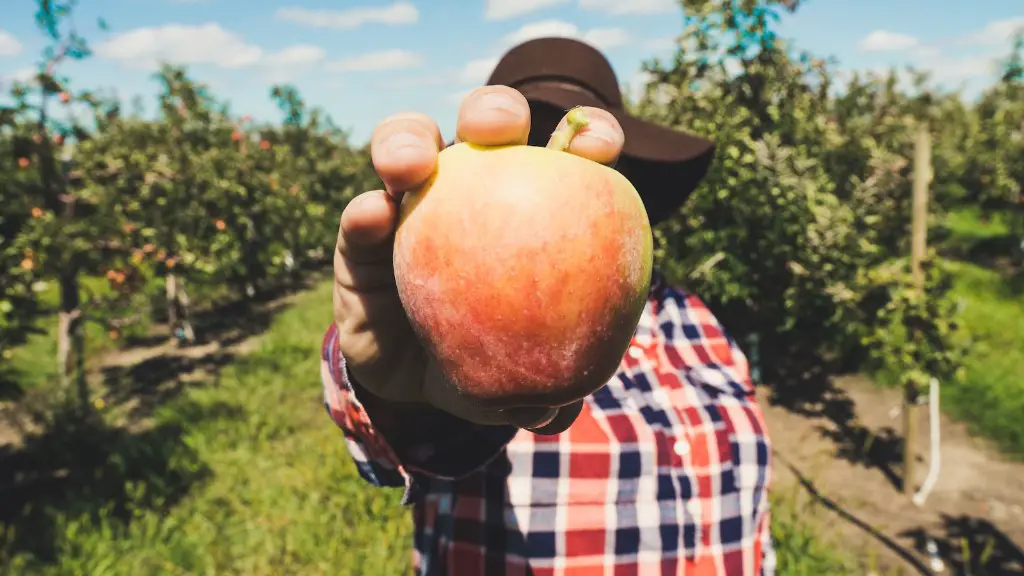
point(664, 165)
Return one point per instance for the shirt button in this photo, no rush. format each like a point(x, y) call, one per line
point(635, 352)
point(682, 447)
point(693, 506)
point(660, 396)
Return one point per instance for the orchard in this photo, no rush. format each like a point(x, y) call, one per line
point(181, 211)
point(801, 239)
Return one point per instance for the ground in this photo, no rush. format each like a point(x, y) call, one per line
point(843, 454)
point(223, 460)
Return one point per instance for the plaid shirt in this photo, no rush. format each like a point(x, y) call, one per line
point(666, 470)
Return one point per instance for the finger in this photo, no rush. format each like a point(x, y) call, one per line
point(601, 140)
point(530, 417)
point(403, 149)
point(362, 258)
point(493, 116)
point(439, 392)
point(561, 422)
point(365, 228)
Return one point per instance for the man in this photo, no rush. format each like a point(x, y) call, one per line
point(665, 470)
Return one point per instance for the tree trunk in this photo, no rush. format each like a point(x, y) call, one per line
point(70, 341)
point(178, 318)
point(185, 310)
point(171, 291)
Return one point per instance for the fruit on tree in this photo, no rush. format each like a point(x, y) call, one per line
point(524, 270)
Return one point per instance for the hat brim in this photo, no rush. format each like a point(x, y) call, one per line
point(664, 165)
point(644, 140)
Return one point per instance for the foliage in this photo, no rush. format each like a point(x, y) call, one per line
point(217, 201)
point(799, 230)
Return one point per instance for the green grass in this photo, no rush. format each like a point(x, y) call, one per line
point(35, 363)
point(991, 398)
point(242, 473)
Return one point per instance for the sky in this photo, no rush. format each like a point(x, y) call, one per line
point(362, 60)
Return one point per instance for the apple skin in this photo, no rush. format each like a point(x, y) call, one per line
point(523, 271)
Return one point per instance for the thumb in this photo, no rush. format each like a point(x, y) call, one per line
point(367, 223)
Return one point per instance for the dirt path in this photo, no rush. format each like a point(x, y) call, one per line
point(135, 379)
point(844, 454)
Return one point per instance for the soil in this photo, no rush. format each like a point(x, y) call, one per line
point(844, 455)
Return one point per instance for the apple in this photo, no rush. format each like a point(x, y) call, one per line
point(524, 270)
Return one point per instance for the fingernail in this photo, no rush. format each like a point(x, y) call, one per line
point(502, 102)
point(603, 131)
point(530, 418)
point(545, 421)
point(403, 141)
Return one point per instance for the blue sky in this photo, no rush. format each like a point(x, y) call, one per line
point(364, 59)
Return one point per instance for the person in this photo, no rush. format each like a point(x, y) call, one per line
point(664, 470)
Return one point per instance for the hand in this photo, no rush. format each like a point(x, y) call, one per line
point(383, 354)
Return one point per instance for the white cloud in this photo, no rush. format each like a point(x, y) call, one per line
point(9, 45)
point(395, 59)
point(661, 43)
point(145, 48)
point(20, 75)
point(298, 55)
point(415, 82)
point(637, 85)
point(477, 71)
point(505, 9)
point(996, 33)
point(606, 38)
point(602, 38)
point(396, 14)
point(959, 69)
point(948, 70)
point(927, 52)
point(458, 97)
point(886, 41)
point(288, 64)
point(624, 7)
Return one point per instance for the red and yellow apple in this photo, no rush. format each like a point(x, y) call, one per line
point(524, 271)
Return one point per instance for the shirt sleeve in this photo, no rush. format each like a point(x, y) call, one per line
point(446, 447)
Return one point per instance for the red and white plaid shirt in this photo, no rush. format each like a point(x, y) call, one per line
point(666, 470)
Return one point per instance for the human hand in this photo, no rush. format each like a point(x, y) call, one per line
point(383, 353)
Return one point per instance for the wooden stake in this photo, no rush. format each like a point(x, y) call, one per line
point(919, 247)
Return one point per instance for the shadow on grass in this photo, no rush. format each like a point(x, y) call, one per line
point(81, 466)
point(157, 379)
point(1002, 253)
point(145, 386)
point(970, 545)
point(10, 384)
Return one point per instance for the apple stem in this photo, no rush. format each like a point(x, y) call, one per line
point(575, 121)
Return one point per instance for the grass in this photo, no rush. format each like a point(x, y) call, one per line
point(239, 473)
point(991, 398)
point(35, 363)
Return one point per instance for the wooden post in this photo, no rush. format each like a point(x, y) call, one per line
point(919, 246)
